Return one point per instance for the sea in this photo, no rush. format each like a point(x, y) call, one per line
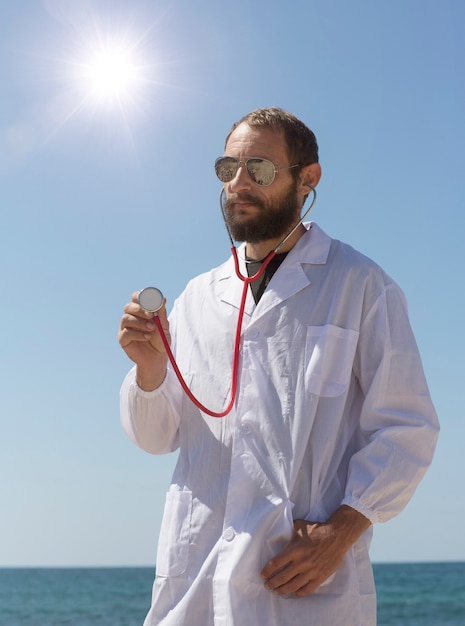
point(409, 594)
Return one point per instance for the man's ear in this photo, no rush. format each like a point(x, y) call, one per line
point(310, 176)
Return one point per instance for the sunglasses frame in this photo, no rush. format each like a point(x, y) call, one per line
point(241, 162)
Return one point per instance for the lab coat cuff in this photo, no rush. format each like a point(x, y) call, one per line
point(134, 388)
point(355, 503)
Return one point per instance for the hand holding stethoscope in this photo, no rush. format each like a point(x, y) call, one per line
point(140, 339)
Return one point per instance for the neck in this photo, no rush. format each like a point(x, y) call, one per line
point(260, 249)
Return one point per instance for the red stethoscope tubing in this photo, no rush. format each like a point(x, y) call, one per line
point(237, 342)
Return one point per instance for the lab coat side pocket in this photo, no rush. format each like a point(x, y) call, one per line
point(173, 543)
point(329, 359)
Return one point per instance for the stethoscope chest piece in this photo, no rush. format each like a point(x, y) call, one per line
point(150, 299)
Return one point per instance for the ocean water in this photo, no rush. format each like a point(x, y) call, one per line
point(426, 594)
point(75, 597)
point(421, 594)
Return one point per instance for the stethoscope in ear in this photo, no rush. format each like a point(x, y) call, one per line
point(246, 279)
point(151, 299)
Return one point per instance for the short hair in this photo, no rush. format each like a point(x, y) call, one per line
point(302, 146)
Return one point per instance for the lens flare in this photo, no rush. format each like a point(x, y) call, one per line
point(102, 74)
point(111, 73)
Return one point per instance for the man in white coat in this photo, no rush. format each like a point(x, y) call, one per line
point(269, 516)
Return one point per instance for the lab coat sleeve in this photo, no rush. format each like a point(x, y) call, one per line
point(151, 418)
point(399, 425)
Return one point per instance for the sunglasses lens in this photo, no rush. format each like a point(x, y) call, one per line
point(261, 171)
point(226, 168)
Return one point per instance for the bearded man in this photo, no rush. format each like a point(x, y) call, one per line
point(269, 516)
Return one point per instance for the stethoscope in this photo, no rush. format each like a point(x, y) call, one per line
point(151, 300)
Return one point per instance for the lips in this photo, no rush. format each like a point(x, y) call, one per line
point(240, 206)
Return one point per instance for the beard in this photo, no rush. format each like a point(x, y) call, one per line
point(274, 220)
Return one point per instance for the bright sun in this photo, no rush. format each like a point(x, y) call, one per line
point(111, 74)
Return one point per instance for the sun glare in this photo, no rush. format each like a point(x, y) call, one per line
point(111, 73)
point(108, 73)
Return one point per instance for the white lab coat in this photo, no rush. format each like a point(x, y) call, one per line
point(332, 409)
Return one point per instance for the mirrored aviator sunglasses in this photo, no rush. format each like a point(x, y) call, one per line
point(261, 171)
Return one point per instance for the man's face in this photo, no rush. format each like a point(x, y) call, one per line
point(256, 213)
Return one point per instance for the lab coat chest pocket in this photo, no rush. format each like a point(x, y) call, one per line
point(329, 355)
point(173, 543)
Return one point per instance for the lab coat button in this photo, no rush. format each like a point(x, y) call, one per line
point(229, 534)
point(245, 429)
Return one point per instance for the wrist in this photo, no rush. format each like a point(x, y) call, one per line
point(349, 523)
point(149, 379)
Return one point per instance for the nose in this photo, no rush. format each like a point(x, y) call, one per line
point(241, 180)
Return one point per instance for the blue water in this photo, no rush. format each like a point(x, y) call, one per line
point(77, 597)
point(427, 594)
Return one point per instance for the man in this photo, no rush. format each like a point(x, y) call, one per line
point(269, 516)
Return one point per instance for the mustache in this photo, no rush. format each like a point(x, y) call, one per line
point(241, 197)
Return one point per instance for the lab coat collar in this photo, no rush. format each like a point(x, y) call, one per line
point(312, 248)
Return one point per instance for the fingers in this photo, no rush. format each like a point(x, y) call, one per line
point(285, 579)
point(292, 579)
point(281, 574)
point(300, 543)
point(298, 585)
point(294, 570)
point(137, 326)
point(142, 341)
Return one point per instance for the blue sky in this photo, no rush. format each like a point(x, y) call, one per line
point(100, 198)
